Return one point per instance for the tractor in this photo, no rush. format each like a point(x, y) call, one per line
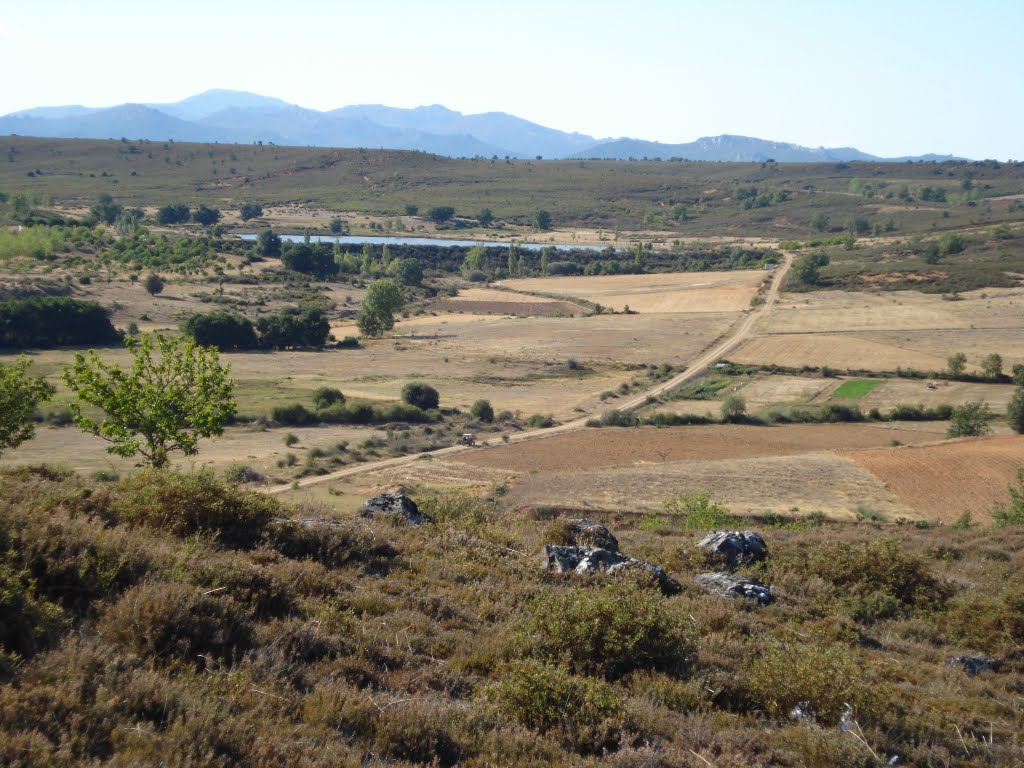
point(468, 439)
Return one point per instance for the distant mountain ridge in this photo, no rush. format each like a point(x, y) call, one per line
point(241, 117)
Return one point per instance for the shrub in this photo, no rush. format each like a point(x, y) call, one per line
point(547, 698)
point(696, 511)
point(291, 439)
point(734, 408)
point(223, 330)
point(165, 621)
point(294, 415)
point(608, 631)
point(970, 420)
point(196, 502)
point(1012, 513)
point(421, 395)
point(28, 622)
point(482, 411)
point(617, 418)
point(326, 396)
point(540, 421)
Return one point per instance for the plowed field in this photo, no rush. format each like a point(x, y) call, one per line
point(941, 481)
point(532, 308)
point(835, 351)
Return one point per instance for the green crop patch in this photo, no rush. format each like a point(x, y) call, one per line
point(854, 388)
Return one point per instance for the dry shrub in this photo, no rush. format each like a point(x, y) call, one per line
point(161, 621)
point(255, 586)
point(588, 713)
point(196, 502)
point(418, 732)
point(828, 677)
point(608, 631)
point(993, 623)
point(330, 544)
point(28, 622)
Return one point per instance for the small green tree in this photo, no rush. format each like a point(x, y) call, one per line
point(992, 365)
point(1013, 513)
point(20, 395)
point(820, 221)
point(542, 219)
point(250, 211)
point(485, 217)
point(421, 395)
point(377, 311)
point(956, 364)
point(441, 213)
point(734, 408)
point(482, 411)
point(1018, 374)
point(157, 406)
point(1015, 411)
point(970, 420)
point(153, 284)
point(268, 244)
point(324, 397)
point(697, 511)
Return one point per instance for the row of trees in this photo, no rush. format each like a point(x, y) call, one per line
point(54, 321)
point(180, 213)
point(291, 329)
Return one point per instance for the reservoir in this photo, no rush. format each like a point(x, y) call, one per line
point(427, 241)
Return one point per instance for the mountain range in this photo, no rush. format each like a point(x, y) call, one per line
point(241, 117)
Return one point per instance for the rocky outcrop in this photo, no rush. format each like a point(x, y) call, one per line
point(395, 506)
point(581, 561)
point(735, 547)
point(732, 587)
point(587, 533)
point(973, 665)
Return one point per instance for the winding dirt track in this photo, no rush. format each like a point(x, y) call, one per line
point(742, 332)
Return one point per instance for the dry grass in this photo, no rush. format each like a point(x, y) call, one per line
point(838, 351)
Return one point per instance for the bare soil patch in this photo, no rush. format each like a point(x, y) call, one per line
point(894, 392)
point(834, 350)
point(676, 292)
point(530, 308)
point(940, 481)
point(633, 446)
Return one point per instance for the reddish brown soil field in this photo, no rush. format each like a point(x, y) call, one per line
point(532, 308)
point(974, 473)
point(622, 446)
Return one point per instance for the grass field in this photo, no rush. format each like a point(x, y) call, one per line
point(854, 389)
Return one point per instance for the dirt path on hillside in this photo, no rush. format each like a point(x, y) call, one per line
point(741, 333)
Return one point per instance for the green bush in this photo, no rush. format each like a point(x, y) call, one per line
point(327, 396)
point(608, 631)
point(294, 415)
point(482, 411)
point(421, 395)
point(696, 511)
point(1012, 513)
point(196, 502)
point(28, 621)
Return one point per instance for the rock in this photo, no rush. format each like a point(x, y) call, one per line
point(727, 585)
point(736, 547)
point(588, 560)
point(973, 665)
point(586, 533)
point(396, 505)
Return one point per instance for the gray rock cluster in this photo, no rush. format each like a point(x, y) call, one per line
point(396, 506)
point(973, 665)
point(587, 533)
point(593, 559)
point(735, 547)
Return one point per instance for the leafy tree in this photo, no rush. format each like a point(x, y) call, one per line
point(441, 213)
point(951, 243)
point(377, 311)
point(250, 211)
point(337, 226)
point(970, 420)
point(421, 395)
point(315, 259)
point(956, 364)
point(482, 411)
point(20, 395)
point(806, 268)
point(542, 219)
point(411, 210)
point(173, 214)
point(153, 284)
point(324, 397)
point(161, 404)
point(127, 222)
point(734, 407)
point(268, 244)
point(294, 328)
point(1012, 514)
point(406, 271)
point(105, 209)
point(54, 321)
point(206, 216)
point(820, 221)
point(1018, 374)
point(223, 330)
point(485, 217)
point(992, 365)
point(1015, 411)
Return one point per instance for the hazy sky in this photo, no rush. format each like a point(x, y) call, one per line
point(889, 77)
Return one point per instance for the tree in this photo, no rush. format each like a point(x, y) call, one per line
point(173, 214)
point(992, 365)
point(807, 267)
point(420, 395)
point(250, 211)
point(734, 408)
point(441, 213)
point(161, 404)
point(542, 219)
point(406, 271)
point(127, 222)
point(205, 216)
point(20, 395)
point(969, 420)
point(820, 221)
point(268, 244)
point(337, 226)
point(1018, 374)
point(105, 209)
point(223, 330)
point(377, 311)
point(153, 284)
point(294, 328)
point(1015, 411)
point(324, 397)
point(485, 217)
point(956, 364)
point(482, 411)
point(411, 210)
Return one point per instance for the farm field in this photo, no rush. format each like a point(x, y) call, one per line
point(678, 292)
point(942, 481)
point(490, 300)
point(838, 351)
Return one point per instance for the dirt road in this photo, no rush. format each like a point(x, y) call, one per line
point(741, 333)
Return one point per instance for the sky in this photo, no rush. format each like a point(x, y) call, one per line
point(892, 78)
